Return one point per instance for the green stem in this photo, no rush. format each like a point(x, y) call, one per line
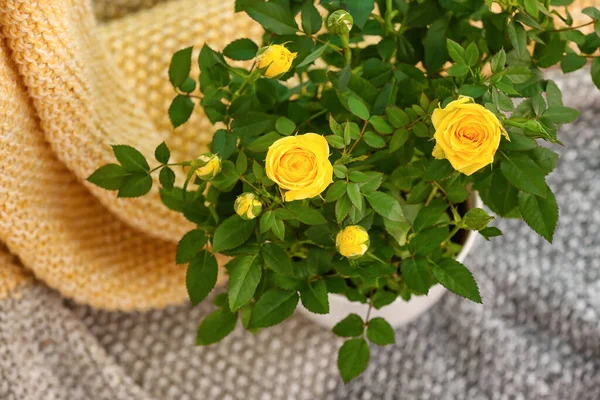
point(346, 49)
point(571, 28)
point(362, 132)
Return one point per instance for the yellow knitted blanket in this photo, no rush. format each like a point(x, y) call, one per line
point(69, 88)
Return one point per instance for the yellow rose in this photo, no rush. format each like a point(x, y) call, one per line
point(466, 134)
point(247, 206)
point(300, 165)
point(207, 166)
point(352, 242)
point(277, 58)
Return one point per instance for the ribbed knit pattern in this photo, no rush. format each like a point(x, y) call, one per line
point(64, 101)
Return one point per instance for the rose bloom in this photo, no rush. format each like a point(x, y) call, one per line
point(466, 134)
point(209, 165)
point(300, 165)
point(247, 206)
point(277, 58)
point(352, 242)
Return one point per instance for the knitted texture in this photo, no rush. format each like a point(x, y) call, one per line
point(110, 9)
point(62, 86)
point(86, 103)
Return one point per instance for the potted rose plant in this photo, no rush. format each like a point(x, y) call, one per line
point(349, 150)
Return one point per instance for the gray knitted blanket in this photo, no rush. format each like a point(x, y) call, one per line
point(537, 336)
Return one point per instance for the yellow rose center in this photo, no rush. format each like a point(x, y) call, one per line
point(297, 165)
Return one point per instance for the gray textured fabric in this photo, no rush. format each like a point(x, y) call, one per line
point(537, 336)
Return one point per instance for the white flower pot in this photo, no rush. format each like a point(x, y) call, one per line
point(399, 312)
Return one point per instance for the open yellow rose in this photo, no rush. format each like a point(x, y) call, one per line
point(300, 165)
point(352, 242)
point(466, 134)
point(277, 58)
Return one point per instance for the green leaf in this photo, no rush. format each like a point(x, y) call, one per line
point(342, 207)
point(263, 143)
point(311, 19)
point(273, 17)
point(273, 307)
point(135, 185)
point(540, 214)
point(498, 61)
point(306, 215)
point(335, 141)
point(572, 62)
point(380, 332)
point(472, 54)
point(131, 159)
point(201, 276)
point(335, 191)
point(399, 139)
point(109, 176)
point(180, 66)
point(215, 326)
point(473, 91)
point(354, 195)
point(381, 125)
point(385, 205)
point(518, 38)
point(350, 326)
point(436, 53)
point(592, 12)
point(524, 174)
point(278, 229)
point(227, 178)
point(353, 358)
point(458, 70)
point(383, 298)
point(397, 230)
point(456, 51)
point(266, 221)
point(374, 140)
point(457, 278)
point(429, 215)
point(190, 244)
point(490, 231)
point(416, 274)
point(285, 125)
point(397, 117)
point(313, 56)
point(531, 6)
point(162, 153)
point(180, 110)
point(241, 49)
point(476, 219)
point(358, 108)
point(545, 158)
point(427, 240)
point(360, 11)
point(596, 71)
point(277, 259)
point(232, 232)
point(188, 86)
point(314, 297)
point(438, 170)
point(561, 115)
point(244, 275)
point(241, 163)
point(224, 143)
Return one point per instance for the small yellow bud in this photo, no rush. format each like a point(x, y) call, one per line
point(207, 166)
point(352, 242)
point(247, 206)
point(276, 59)
point(340, 22)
